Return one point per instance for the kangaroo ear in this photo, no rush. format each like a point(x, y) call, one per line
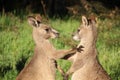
point(32, 21)
point(84, 20)
point(93, 19)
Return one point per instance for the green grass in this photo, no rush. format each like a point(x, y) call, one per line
point(16, 44)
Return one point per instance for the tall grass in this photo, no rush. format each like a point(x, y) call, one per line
point(17, 45)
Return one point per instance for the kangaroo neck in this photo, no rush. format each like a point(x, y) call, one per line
point(89, 46)
point(43, 43)
point(87, 42)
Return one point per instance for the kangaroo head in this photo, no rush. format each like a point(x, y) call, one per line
point(87, 30)
point(41, 30)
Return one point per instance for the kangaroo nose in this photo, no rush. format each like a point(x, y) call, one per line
point(57, 34)
point(73, 34)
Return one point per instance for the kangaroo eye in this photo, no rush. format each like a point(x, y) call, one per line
point(78, 30)
point(47, 30)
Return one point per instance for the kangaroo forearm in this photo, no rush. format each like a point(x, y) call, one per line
point(60, 70)
point(61, 53)
point(75, 66)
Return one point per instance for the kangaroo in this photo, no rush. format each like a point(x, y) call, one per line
point(85, 64)
point(42, 65)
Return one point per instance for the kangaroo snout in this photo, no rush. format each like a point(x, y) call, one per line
point(56, 33)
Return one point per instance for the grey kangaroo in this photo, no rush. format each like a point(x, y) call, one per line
point(42, 65)
point(85, 64)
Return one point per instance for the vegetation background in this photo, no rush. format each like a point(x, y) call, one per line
point(17, 45)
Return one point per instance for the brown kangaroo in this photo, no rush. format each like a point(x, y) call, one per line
point(42, 65)
point(85, 64)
